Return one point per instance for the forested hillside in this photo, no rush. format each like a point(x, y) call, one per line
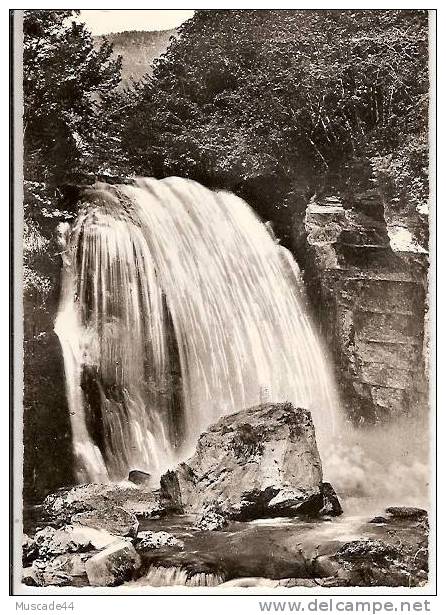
point(267, 103)
point(138, 50)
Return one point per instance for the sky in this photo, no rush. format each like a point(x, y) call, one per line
point(115, 20)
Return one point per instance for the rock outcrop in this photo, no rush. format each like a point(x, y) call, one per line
point(407, 512)
point(64, 570)
point(261, 462)
point(123, 501)
point(70, 539)
point(371, 563)
point(58, 556)
point(157, 540)
point(114, 520)
point(369, 296)
point(211, 519)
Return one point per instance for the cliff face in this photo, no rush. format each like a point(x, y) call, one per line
point(366, 276)
point(138, 51)
point(47, 459)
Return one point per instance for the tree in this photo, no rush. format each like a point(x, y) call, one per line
point(65, 79)
point(270, 103)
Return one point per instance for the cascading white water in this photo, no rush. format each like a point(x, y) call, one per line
point(177, 307)
point(164, 576)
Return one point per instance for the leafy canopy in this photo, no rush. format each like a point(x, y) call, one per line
point(257, 95)
point(64, 80)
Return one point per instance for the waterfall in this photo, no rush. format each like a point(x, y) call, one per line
point(177, 306)
point(163, 576)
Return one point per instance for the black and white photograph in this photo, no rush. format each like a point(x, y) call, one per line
point(223, 316)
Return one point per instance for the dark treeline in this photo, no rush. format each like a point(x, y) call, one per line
point(242, 99)
point(243, 95)
point(272, 104)
point(279, 104)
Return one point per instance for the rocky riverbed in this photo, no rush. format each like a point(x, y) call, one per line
point(249, 508)
point(391, 550)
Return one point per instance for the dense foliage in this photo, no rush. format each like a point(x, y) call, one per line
point(64, 80)
point(250, 99)
point(274, 104)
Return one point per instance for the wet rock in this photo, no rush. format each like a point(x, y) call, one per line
point(371, 563)
point(157, 540)
point(260, 462)
point(116, 521)
point(379, 519)
point(140, 478)
point(170, 487)
point(325, 566)
point(149, 506)
point(30, 576)
point(50, 542)
point(407, 512)
point(211, 520)
point(59, 507)
point(60, 571)
point(331, 505)
point(341, 580)
point(114, 565)
point(29, 550)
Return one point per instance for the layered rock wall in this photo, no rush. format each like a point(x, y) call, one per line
point(369, 294)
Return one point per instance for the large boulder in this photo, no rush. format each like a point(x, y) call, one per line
point(49, 541)
point(260, 462)
point(62, 505)
point(114, 565)
point(211, 519)
point(62, 571)
point(114, 520)
point(369, 563)
point(407, 512)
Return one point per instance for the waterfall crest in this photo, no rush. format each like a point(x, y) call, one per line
point(177, 306)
